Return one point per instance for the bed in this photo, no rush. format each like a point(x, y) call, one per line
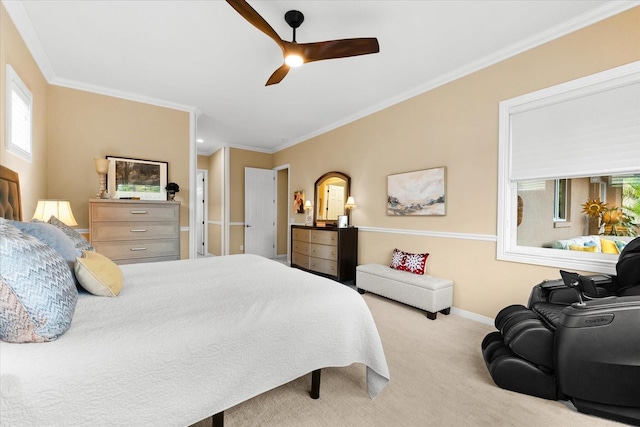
point(186, 340)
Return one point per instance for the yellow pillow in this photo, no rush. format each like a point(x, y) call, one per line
point(583, 248)
point(609, 246)
point(98, 274)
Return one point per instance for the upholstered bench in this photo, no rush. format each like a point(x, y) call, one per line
point(428, 293)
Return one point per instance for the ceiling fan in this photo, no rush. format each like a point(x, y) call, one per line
point(296, 54)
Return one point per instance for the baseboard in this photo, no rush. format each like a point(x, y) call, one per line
point(473, 316)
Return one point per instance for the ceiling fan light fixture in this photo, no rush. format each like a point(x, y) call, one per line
point(293, 60)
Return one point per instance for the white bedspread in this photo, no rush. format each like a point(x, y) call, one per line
point(187, 339)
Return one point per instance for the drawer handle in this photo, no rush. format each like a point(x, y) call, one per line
point(137, 212)
point(137, 249)
point(138, 230)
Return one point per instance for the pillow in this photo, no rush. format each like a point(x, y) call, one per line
point(80, 243)
point(98, 274)
point(406, 261)
point(37, 293)
point(583, 248)
point(397, 258)
point(609, 246)
point(52, 236)
point(620, 244)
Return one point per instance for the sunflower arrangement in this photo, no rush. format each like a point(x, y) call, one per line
point(613, 220)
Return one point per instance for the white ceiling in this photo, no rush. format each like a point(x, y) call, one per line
point(202, 56)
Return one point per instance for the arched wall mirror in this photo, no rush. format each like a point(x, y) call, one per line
point(331, 193)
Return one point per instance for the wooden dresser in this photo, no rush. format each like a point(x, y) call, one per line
point(330, 252)
point(131, 231)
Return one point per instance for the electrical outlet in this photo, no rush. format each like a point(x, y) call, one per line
point(241, 248)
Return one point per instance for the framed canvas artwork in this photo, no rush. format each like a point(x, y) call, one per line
point(417, 193)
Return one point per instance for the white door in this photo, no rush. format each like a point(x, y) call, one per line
point(201, 198)
point(259, 212)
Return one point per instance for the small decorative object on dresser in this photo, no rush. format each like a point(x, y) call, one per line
point(327, 251)
point(172, 188)
point(131, 231)
point(308, 208)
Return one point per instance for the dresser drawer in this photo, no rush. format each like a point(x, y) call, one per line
point(134, 212)
point(300, 235)
point(139, 249)
point(324, 237)
point(300, 247)
point(324, 252)
point(300, 260)
point(115, 231)
point(324, 266)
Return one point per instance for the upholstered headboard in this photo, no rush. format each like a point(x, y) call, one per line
point(10, 203)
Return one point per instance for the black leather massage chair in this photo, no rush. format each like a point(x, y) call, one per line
point(577, 339)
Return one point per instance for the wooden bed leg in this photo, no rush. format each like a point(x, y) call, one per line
point(315, 384)
point(218, 419)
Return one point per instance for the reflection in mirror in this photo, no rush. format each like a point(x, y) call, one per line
point(591, 214)
point(331, 193)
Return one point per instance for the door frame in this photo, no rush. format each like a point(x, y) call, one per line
point(205, 211)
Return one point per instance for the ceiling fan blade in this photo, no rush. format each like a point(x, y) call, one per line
point(278, 75)
point(339, 48)
point(254, 18)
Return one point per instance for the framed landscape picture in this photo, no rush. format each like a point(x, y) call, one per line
point(136, 178)
point(417, 193)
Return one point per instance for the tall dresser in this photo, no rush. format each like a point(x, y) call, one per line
point(329, 252)
point(131, 231)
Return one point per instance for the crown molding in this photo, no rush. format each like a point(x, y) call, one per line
point(21, 20)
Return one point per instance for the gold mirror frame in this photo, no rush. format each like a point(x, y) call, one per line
point(329, 176)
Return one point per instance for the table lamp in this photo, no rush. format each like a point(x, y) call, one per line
point(102, 167)
point(351, 204)
point(61, 209)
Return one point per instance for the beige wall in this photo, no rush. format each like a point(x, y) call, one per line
point(456, 125)
point(33, 175)
point(84, 125)
point(72, 127)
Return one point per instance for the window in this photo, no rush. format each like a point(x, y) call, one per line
point(559, 148)
point(19, 104)
point(560, 205)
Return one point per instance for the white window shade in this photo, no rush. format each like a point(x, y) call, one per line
point(577, 133)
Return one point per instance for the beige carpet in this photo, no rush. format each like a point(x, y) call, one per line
point(438, 378)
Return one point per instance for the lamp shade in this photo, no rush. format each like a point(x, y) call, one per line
point(308, 204)
point(61, 209)
point(351, 203)
point(102, 165)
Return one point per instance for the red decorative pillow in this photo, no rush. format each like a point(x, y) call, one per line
point(406, 261)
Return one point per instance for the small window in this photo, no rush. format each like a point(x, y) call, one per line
point(19, 116)
point(561, 197)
